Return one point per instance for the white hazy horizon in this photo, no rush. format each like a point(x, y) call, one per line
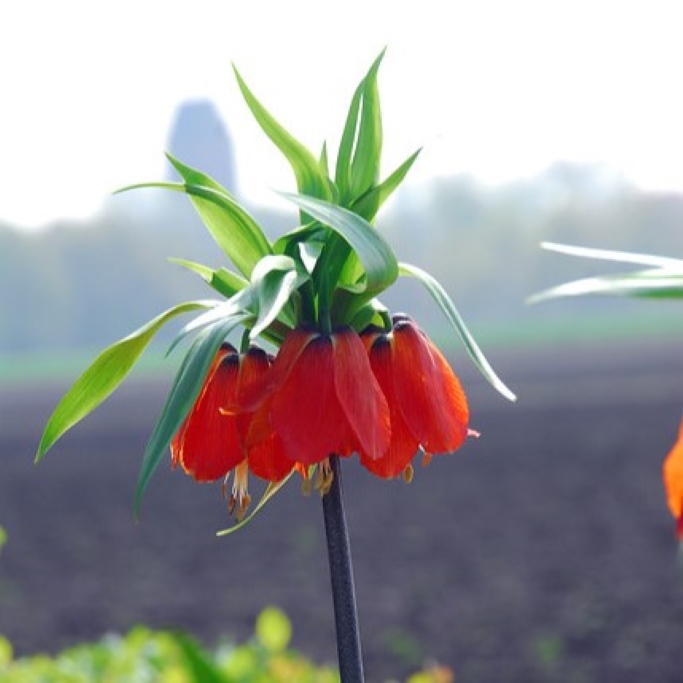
point(494, 89)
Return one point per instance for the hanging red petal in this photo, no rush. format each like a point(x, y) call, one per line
point(207, 445)
point(305, 411)
point(294, 343)
point(430, 396)
point(360, 394)
point(403, 445)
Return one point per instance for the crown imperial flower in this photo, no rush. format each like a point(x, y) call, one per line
point(345, 377)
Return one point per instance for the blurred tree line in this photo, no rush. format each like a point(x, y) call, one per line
point(86, 285)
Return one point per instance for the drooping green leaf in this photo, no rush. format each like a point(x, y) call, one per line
point(447, 306)
point(268, 494)
point(375, 254)
point(368, 204)
point(221, 310)
point(274, 280)
point(104, 375)
point(307, 170)
point(232, 227)
point(183, 394)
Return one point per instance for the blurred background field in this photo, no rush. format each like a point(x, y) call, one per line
point(542, 551)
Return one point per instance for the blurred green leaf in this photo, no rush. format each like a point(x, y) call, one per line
point(445, 303)
point(3, 538)
point(183, 394)
point(234, 230)
point(104, 376)
point(273, 629)
point(663, 281)
point(199, 667)
point(308, 171)
point(610, 255)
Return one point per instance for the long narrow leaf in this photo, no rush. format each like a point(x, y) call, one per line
point(224, 281)
point(234, 230)
point(183, 394)
point(307, 170)
point(445, 303)
point(368, 152)
point(376, 256)
point(653, 283)
point(609, 255)
point(274, 281)
point(361, 142)
point(104, 375)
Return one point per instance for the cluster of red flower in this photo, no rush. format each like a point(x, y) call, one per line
point(383, 395)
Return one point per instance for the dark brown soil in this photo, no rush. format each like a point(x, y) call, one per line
point(541, 552)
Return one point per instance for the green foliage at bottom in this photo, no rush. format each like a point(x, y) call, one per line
point(146, 656)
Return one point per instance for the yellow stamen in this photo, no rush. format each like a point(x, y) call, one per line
point(324, 478)
point(408, 474)
point(240, 500)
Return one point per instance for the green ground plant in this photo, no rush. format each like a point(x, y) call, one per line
point(146, 656)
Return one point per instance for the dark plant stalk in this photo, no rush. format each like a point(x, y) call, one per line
point(341, 574)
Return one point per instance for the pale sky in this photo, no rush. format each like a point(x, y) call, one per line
point(498, 89)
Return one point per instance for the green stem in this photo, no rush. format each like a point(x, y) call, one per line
point(341, 574)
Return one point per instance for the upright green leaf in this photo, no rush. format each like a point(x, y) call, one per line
point(375, 254)
point(232, 227)
point(307, 170)
point(445, 303)
point(183, 394)
point(104, 375)
point(368, 152)
point(360, 148)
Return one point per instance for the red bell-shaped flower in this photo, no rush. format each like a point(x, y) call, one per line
point(673, 481)
point(428, 407)
point(207, 445)
point(212, 440)
point(322, 398)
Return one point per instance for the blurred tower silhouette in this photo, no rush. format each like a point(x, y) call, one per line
point(200, 139)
